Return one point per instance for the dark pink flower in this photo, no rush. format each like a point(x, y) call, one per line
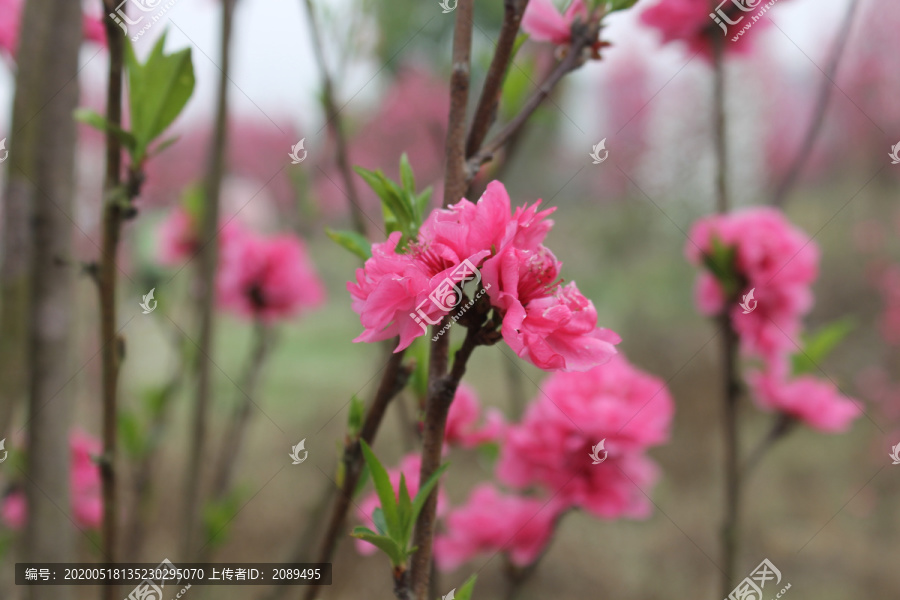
point(617, 404)
point(689, 21)
point(817, 403)
point(494, 522)
point(544, 23)
point(409, 468)
point(775, 260)
point(462, 421)
point(267, 278)
point(11, 20)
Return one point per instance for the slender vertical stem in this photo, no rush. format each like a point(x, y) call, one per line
point(818, 118)
point(731, 386)
point(113, 345)
point(333, 121)
point(206, 276)
point(437, 404)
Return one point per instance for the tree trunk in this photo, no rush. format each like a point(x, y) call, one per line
point(42, 149)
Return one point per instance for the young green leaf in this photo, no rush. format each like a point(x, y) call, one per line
point(465, 592)
point(384, 489)
point(378, 520)
point(405, 509)
point(99, 122)
point(385, 544)
point(406, 174)
point(356, 416)
point(816, 348)
point(615, 5)
point(363, 480)
point(422, 494)
point(352, 241)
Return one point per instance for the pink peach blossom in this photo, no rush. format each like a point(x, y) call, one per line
point(544, 23)
point(465, 412)
point(267, 278)
point(818, 403)
point(493, 522)
point(11, 20)
point(409, 468)
point(689, 21)
point(615, 402)
point(85, 487)
point(775, 260)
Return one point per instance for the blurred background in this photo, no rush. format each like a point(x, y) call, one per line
point(821, 507)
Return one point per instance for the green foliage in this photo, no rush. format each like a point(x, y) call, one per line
point(356, 416)
point(395, 518)
point(158, 91)
point(131, 434)
point(403, 208)
point(217, 516)
point(614, 5)
point(465, 592)
point(721, 263)
point(353, 241)
point(817, 347)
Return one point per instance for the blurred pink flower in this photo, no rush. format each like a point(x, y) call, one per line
point(544, 23)
point(177, 237)
point(11, 20)
point(616, 402)
point(493, 522)
point(409, 468)
point(689, 21)
point(817, 403)
point(775, 260)
point(462, 420)
point(85, 487)
point(267, 278)
point(889, 285)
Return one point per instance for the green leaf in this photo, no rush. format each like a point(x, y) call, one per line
point(406, 174)
point(615, 5)
point(356, 416)
point(131, 434)
point(384, 489)
point(158, 91)
point(378, 520)
point(465, 592)
point(385, 544)
point(352, 241)
point(422, 494)
point(363, 480)
point(421, 202)
point(99, 122)
point(218, 516)
point(405, 509)
point(816, 348)
point(163, 145)
point(720, 262)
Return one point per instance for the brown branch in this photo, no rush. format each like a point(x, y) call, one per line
point(333, 121)
point(455, 179)
point(815, 126)
point(783, 425)
point(486, 111)
point(114, 212)
point(392, 381)
point(583, 36)
point(206, 270)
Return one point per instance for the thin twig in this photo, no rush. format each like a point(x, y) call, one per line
point(783, 425)
point(113, 214)
point(206, 270)
point(392, 381)
point(486, 110)
point(333, 121)
point(818, 118)
point(584, 35)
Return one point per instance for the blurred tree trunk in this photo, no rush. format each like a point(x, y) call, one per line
point(40, 194)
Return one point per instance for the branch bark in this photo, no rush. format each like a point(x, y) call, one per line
point(392, 381)
point(815, 126)
point(44, 152)
point(206, 271)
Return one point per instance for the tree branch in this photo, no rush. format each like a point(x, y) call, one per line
point(486, 111)
point(815, 126)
